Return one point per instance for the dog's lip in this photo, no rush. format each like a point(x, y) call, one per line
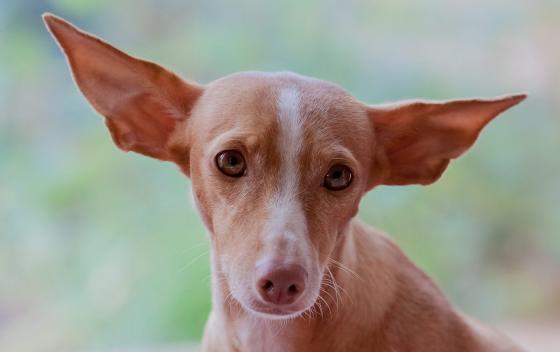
point(275, 312)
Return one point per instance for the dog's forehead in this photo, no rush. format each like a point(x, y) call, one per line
point(266, 87)
point(256, 101)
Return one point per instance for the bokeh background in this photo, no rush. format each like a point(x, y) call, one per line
point(103, 250)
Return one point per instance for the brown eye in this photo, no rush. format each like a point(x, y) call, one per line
point(231, 163)
point(338, 178)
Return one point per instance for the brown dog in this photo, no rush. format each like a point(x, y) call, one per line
point(279, 163)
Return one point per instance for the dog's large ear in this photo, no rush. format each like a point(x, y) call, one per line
point(417, 139)
point(143, 103)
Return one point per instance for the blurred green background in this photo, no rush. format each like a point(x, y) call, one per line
point(101, 249)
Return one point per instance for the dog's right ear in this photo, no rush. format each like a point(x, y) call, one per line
point(143, 103)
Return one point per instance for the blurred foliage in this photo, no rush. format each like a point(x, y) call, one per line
point(99, 248)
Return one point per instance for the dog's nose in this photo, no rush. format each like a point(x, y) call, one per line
point(279, 283)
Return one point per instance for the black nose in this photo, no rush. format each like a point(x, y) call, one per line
point(280, 284)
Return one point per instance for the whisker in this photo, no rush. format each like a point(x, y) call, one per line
point(338, 288)
point(345, 268)
point(194, 246)
point(331, 297)
point(191, 262)
point(326, 303)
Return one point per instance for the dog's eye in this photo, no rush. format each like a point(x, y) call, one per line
point(338, 178)
point(231, 163)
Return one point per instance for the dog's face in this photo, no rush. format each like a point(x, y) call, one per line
point(278, 162)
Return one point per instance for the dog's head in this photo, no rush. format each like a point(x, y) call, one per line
point(278, 161)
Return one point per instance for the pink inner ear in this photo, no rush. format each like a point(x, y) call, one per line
point(142, 124)
point(420, 138)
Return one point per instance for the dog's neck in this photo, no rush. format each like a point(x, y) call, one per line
point(346, 295)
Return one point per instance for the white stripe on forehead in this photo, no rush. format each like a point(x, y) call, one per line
point(286, 230)
point(289, 119)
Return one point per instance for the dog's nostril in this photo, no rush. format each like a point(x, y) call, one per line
point(268, 285)
point(292, 290)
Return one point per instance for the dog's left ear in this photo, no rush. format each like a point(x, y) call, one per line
point(417, 139)
point(143, 103)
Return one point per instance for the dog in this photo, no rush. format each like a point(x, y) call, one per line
point(278, 164)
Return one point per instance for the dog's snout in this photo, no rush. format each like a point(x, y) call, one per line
point(280, 284)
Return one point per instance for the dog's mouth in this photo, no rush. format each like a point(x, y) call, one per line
point(276, 312)
point(264, 310)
